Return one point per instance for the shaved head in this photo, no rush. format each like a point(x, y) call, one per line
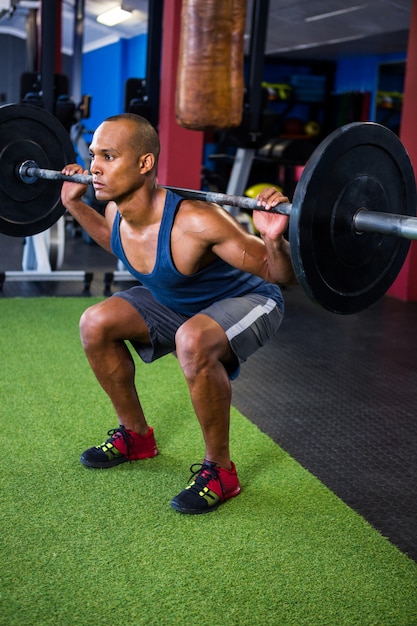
point(144, 137)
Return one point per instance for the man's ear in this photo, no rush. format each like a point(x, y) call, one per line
point(146, 162)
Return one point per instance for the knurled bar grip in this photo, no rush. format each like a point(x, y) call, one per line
point(242, 202)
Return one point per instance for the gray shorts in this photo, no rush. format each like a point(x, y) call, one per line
point(248, 321)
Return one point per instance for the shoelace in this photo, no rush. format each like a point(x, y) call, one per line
point(202, 473)
point(121, 430)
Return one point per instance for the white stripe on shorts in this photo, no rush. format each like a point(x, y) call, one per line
point(250, 318)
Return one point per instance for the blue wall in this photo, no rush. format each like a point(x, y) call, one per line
point(361, 74)
point(105, 72)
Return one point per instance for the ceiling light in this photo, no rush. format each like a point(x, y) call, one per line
point(114, 16)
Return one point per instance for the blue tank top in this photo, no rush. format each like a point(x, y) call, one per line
point(190, 294)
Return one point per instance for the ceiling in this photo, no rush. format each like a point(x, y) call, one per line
point(319, 29)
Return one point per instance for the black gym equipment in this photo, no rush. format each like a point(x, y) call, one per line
point(29, 132)
point(347, 243)
point(351, 220)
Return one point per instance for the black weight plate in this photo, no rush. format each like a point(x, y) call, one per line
point(30, 133)
point(360, 165)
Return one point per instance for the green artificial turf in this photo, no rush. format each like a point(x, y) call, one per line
point(84, 547)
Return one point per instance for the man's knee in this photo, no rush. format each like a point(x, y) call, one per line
point(113, 319)
point(93, 324)
point(199, 342)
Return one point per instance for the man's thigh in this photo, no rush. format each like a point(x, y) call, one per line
point(161, 323)
point(118, 320)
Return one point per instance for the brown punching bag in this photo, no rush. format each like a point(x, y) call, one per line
point(210, 80)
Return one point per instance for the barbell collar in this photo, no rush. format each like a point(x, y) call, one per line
point(29, 172)
point(385, 224)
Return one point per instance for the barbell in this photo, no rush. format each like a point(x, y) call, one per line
point(351, 219)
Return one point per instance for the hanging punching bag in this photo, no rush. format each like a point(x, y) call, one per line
point(210, 79)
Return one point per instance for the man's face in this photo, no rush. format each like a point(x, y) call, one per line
point(114, 162)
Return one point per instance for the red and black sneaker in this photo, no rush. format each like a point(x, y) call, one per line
point(210, 485)
point(121, 446)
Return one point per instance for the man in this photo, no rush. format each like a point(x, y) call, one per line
point(209, 291)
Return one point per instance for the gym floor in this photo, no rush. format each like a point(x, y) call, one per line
point(338, 393)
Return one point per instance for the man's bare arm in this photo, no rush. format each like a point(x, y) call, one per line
point(272, 227)
point(267, 255)
point(95, 224)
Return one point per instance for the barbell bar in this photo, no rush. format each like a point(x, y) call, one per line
point(29, 172)
point(352, 216)
point(364, 221)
